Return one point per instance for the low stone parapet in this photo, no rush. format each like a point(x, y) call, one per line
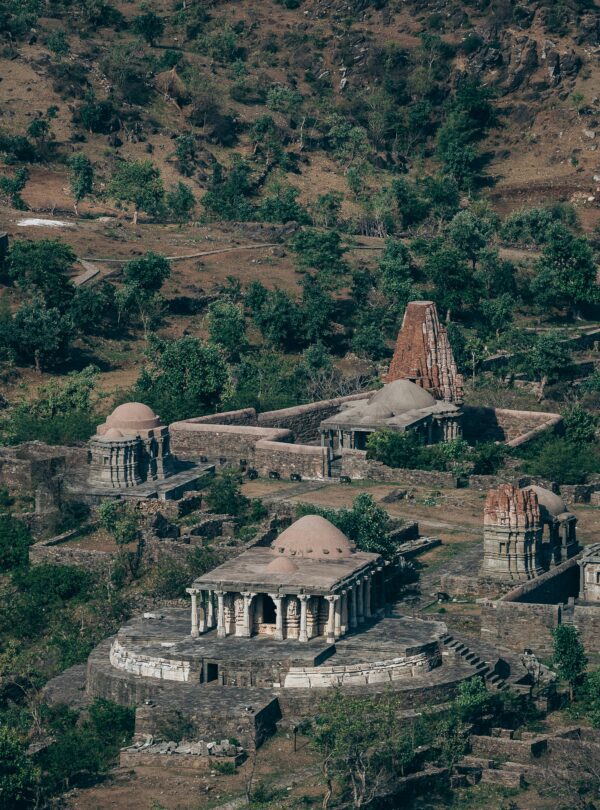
point(149, 666)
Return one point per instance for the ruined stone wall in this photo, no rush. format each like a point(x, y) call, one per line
point(245, 416)
point(518, 626)
point(191, 440)
point(554, 586)
point(505, 748)
point(586, 619)
point(356, 465)
point(503, 425)
point(289, 459)
point(304, 420)
point(58, 551)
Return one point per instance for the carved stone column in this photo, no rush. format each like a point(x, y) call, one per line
point(330, 630)
point(246, 629)
point(353, 608)
point(337, 627)
point(278, 602)
point(210, 615)
point(344, 616)
point(202, 613)
point(221, 630)
point(368, 612)
point(360, 588)
point(194, 632)
point(303, 597)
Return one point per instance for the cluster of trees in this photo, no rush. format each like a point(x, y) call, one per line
point(406, 450)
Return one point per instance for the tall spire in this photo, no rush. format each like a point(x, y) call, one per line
point(423, 354)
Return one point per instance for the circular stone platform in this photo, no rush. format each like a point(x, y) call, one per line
point(158, 647)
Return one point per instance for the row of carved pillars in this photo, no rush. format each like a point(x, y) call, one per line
point(348, 608)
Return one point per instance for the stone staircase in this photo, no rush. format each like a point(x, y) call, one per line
point(499, 672)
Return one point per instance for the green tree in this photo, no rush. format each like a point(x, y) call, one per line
point(227, 197)
point(224, 494)
point(139, 183)
point(316, 308)
point(471, 233)
point(81, 179)
point(580, 425)
point(589, 697)
point(144, 279)
point(15, 539)
point(321, 251)
point(184, 378)
point(12, 187)
point(455, 284)
point(149, 26)
point(276, 315)
point(93, 309)
point(547, 359)
point(181, 202)
point(568, 657)
point(42, 334)
point(185, 152)
point(227, 327)
point(40, 268)
point(19, 777)
point(566, 273)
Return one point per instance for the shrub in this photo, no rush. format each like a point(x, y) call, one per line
point(15, 539)
point(224, 495)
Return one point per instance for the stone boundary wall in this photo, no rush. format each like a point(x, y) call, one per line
point(554, 586)
point(190, 440)
point(55, 551)
point(586, 619)
point(518, 626)
point(245, 416)
point(288, 459)
point(172, 761)
point(376, 672)
point(304, 420)
point(505, 748)
point(464, 585)
point(506, 425)
point(357, 466)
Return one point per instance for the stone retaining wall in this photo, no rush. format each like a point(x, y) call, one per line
point(556, 585)
point(148, 666)
point(304, 420)
point(375, 672)
point(57, 551)
point(289, 459)
point(518, 626)
point(357, 466)
point(505, 748)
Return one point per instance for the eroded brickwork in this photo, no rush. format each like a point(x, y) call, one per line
point(423, 354)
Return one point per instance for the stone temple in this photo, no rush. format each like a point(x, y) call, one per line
point(312, 582)
point(267, 629)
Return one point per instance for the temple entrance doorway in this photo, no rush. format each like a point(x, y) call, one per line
point(269, 610)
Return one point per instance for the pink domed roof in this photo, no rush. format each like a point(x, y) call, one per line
point(282, 565)
point(113, 433)
point(314, 538)
point(133, 416)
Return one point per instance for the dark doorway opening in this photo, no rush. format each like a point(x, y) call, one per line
point(269, 612)
point(212, 672)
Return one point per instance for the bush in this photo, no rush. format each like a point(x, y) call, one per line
point(560, 460)
point(224, 495)
point(15, 539)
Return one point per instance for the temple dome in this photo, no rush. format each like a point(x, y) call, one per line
point(282, 565)
point(549, 501)
point(113, 433)
point(314, 538)
point(400, 396)
point(133, 416)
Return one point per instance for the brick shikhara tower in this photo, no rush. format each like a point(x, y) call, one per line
point(512, 534)
point(423, 354)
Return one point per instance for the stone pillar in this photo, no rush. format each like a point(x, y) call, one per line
point(210, 615)
point(337, 624)
point(303, 597)
point(368, 612)
point(221, 630)
point(360, 607)
point(246, 629)
point(195, 631)
point(330, 631)
point(381, 571)
point(353, 608)
point(278, 601)
point(344, 616)
point(202, 613)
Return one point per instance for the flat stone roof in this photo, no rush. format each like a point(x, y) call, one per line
point(249, 572)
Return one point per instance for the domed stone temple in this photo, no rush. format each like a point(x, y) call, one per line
point(311, 582)
point(131, 447)
point(130, 456)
